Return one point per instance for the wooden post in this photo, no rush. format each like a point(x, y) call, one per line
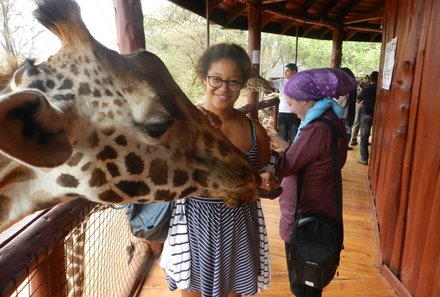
point(337, 47)
point(254, 42)
point(129, 25)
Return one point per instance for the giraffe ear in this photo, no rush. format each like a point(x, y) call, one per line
point(27, 130)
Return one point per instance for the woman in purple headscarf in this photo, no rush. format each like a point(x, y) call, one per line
point(311, 94)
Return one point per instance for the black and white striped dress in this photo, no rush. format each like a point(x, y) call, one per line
point(216, 249)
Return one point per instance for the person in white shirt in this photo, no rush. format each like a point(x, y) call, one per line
point(288, 122)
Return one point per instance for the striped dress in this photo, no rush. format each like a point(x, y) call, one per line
point(215, 249)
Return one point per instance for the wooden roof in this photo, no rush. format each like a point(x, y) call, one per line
point(361, 20)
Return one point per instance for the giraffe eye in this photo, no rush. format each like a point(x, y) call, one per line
point(157, 129)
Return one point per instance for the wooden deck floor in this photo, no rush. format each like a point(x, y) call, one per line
point(358, 274)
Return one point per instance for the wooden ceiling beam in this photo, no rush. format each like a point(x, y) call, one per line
point(365, 18)
point(302, 18)
point(348, 7)
point(286, 26)
point(364, 28)
point(265, 19)
point(213, 4)
point(235, 13)
point(331, 5)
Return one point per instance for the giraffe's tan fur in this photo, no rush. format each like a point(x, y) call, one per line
point(112, 128)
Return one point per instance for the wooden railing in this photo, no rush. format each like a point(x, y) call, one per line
point(36, 261)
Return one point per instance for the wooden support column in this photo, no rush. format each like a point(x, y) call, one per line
point(254, 44)
point(131, 36)
point(129, 25)
point(338, 35)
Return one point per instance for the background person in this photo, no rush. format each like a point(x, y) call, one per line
point(368, 100)
point(288, 122)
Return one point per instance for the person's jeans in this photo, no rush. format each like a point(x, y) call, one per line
point(297, 289)
point(356, 124)
point(288, 125)
point(366, 123)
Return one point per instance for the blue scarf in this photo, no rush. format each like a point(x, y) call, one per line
point(318, 110)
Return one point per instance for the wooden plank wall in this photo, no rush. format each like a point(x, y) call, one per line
point(405, 159)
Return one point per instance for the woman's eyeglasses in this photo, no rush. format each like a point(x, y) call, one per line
point(232, 85)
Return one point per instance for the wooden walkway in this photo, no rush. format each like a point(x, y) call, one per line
point(358, 274)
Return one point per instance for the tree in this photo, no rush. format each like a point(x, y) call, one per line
point(19, 30)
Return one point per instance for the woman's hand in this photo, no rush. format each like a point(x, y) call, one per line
point(276, 139)
point(213, 119)
point(270, 187)
point(269, 181)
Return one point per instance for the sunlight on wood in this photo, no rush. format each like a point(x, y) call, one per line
point(358, 274)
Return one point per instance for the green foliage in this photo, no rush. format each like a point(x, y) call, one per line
point(179, 37)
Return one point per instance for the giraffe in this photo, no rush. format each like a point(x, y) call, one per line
point(111, 128)
point(256, 83)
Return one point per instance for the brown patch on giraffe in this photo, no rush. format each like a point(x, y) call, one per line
point(208, 140)
point(37, 84)
point(121, 140)
point(117, 102)
point(95, 104)
point(127, 90)
point(75, 159)
point(98, 178)
point(113, 169)
point(108, 93)
point(165, 195)
point(67, 181)
point(159, 172)
point(5, 203)
point(100, 116)
point(86, 166)
point(134, 164)
point(96, 93)
point(187, 192)
point(67, 84)
point(97, 81)
point(107, 153)
point(84, 89)
point(180, 177)
point(50, 84)
point(104, 104)
point(74, 69)
point(133, 189)
point(215, 185)
point(19, 174)
point(201, 177)
point(64, 97)
point(87, 72)
point(107, 131)
point(111, 114)
point(110, 196)
point(224, 148)
point(93, 140)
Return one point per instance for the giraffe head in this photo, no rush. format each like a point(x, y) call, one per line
point(112, 128)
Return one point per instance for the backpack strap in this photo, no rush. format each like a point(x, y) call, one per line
point(337, 176)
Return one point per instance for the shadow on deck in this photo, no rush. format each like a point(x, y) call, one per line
point(358, 274)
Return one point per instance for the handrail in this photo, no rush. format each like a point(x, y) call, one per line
point(16, 261)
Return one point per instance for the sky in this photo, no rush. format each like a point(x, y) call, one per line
point(98, 15)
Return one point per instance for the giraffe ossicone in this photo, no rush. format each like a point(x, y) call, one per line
point(112, 128)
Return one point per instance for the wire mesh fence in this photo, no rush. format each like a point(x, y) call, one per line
point(84, 250)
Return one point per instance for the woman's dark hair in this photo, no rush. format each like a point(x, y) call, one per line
point(220, 51)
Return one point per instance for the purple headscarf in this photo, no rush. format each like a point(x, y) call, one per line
point(315, 84)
